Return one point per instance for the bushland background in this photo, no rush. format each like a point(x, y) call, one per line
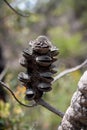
point(64, 22)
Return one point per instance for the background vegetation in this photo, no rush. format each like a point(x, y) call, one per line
point(65, 24)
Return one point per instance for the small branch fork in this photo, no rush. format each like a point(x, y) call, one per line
point(5, 86)
point(41, 101)
point(60, 75)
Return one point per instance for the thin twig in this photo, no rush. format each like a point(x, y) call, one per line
point(40, 102)
point(69, 71)
point(15, 10)
point(5, 86)
point(50, 108)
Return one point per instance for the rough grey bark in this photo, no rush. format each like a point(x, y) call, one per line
point(75, 117)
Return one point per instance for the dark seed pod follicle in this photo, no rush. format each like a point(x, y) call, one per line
point(38, 60)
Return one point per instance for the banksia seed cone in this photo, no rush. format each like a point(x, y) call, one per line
point(38, 59)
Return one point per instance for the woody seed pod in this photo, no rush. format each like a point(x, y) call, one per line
point(38, 60)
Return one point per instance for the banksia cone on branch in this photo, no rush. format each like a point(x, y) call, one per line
point(38, 60)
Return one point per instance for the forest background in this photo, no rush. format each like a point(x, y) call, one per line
point(65, 24)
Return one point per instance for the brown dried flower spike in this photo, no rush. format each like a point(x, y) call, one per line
point(38, 59)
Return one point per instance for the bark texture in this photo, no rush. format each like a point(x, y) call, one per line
point(75, 117)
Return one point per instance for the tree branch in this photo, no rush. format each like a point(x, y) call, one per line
point(5, 86)
point(50, 108)
point(14, 9)
point(39, 102)
point(69, 71)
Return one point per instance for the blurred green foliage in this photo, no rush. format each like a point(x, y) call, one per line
point(15, 33)
point(66, 43)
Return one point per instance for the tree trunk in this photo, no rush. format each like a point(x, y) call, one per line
point(75, 117)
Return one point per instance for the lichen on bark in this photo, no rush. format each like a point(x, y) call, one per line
point(75, 117)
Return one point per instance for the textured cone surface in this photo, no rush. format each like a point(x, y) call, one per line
point(24, 77)
point(45, 87)
point(38, 60)
point(44, 60)
point(30, 94)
